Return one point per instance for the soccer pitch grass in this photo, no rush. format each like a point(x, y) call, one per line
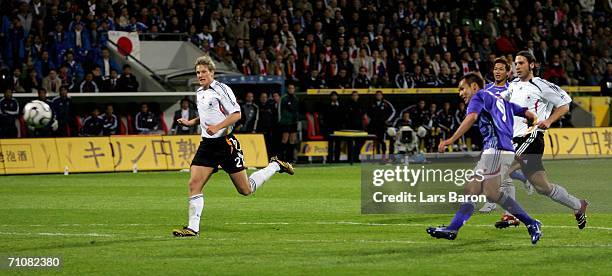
point(310, 223)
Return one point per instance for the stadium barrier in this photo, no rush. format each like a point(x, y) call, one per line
point(114, 153)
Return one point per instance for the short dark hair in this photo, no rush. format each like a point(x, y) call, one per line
point(333, 93)
point(502, 61)
point(526, 54)
point(473, 78)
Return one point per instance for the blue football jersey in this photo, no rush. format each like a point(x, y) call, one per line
point(495, 119)
point(491, 87)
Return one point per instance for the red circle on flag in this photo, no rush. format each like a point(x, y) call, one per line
point(125, 45)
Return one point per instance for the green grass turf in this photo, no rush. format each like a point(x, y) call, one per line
point(310, 223)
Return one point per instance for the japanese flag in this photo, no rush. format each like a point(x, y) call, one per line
point(128, 43)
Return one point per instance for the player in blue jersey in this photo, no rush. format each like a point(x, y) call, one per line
point(495, 121)
point(501, 72)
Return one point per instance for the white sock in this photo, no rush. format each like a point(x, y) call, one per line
point(560, 195)
point(508, 188)
point(259, 177)
point(196, 204)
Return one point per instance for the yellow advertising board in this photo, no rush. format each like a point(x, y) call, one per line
point(29, 156)
point(254, 149)
point(313, 148)
point(182, 148)
point(141, 152)
point(565, 143)
point(85, 154)
point(1, 160)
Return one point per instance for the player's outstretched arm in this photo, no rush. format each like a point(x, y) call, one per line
point(466, 124)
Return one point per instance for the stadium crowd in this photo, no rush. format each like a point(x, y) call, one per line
point(56, 47)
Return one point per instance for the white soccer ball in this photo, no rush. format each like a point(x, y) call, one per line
point(37, 114)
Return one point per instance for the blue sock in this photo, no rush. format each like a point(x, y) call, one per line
point(464, 213)
point(514, 208)
point(518, 175)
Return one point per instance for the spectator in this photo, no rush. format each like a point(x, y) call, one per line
point(250, 115)
point(127, 82)
point(606, 81)
point(381, 112)
point(62, 108)
point(403, 79)
point(9, 112)
point(75, 70)
point(110, 83)
point(42, 96)
point(362, 80)
point(32, 83)
point(97, 77)
point(187, 113)
point(44, 65)
point(289, 116)
point(145, 121)
point(93, 125)
point(404, 120)
point(110, 121)
point(333, 120)
point(555, 72)
point(17, 84)
point(267, 119)
point(314, 81)
point(88, 85)
point(52, 83)
point(106, 63)
point(446, 121)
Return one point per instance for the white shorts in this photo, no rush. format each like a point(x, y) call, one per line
point(494, 162)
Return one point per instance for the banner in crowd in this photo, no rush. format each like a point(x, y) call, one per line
point(115, 153)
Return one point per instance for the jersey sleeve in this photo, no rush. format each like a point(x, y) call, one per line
point(476, 104)
point(228, 100)
point(554, 94)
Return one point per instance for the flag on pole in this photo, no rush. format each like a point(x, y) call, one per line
point(128, 43)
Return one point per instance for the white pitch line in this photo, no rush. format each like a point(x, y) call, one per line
point(394, 224)
point(344, 241)
point(56, 234)
point(286, 223)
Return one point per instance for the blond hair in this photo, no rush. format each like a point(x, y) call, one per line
point(206, 61)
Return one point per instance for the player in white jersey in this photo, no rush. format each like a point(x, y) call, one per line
point(501, 72)
point(218, 111)
point(541, 97)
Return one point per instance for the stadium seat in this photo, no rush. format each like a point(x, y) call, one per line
point(122, 127)
point(78, 122)
point(162, 121)
point(130, 123)
point(313, 131)
point(23, 129)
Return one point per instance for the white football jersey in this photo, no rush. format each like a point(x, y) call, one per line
point(214, 105)
point(538, 95)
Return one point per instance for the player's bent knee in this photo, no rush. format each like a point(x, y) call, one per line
point(245, 192)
